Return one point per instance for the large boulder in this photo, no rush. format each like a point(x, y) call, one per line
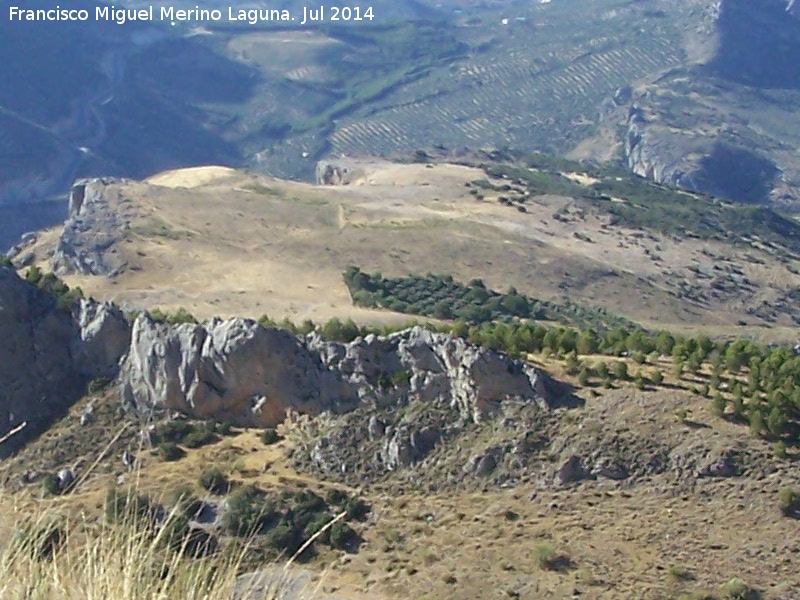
point(427, 366)
point(340, 172)
point(235, 371)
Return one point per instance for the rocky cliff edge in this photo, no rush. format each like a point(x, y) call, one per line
point(234, 371)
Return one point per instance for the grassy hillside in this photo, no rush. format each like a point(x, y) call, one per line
point(638, 203)
point(280, 243)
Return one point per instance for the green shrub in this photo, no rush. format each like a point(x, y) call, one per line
point(285, 538)
point(174, 530)
point(572, 366)
point(122, 506)
point(756, 422)
point(639, 381)
point(307, 502)
point(780, 450)
point(214, 480)
point(789, 502)
point(736, 589)
point(718, 404)
point(270, 436)
point(33, 275)
point(40, 541)
point(545, 555)
point(336, 497)
point(199, 437)
point(98, 385)
point(187, 503)
point(248, 512)
point(602, 369)
point(679, 573)
point(51, 484)
point(620, 370)
point(223, 429)
point(177, 318)
point(678, 368)
point(171, 452)
point(401, 378)
point(342, 535)
point(357, 509)
point(174, 431)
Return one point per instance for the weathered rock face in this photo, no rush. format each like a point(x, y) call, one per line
point(237, 371)
point(234, 371)
point(699, 161)
point(48, 355)
point(682, 131)
point(94, 225)
point(431, 366)
point(245, 374)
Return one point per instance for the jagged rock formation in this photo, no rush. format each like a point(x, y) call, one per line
point(236, 370)
point(245, 374)
point(49, 354)
point(94, 225)
point(659, 155)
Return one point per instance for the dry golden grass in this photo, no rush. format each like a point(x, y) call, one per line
point(95, 559)
point(69, 548)
point(619, 540)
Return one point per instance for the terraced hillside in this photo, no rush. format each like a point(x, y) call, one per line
point(608, 80)
point(532, 84)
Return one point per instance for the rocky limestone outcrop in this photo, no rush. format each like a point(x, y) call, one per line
point(245, 374)
point(660, 154)
point(49, 354)
point(338, 173)
point(95, 224)
point(238, 371)
point(234, 371)
point(431, 366)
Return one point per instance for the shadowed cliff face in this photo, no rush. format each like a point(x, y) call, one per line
point(759, 44)
point(49, 354)
point(737, 174)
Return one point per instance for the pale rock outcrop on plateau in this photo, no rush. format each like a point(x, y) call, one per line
point(249, 375)
point(95, 224)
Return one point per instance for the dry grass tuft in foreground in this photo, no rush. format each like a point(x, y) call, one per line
point(50, 557)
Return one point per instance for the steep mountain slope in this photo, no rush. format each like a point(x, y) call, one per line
point(726, 124)
point(679, 96)
point(611, 496)
point(80, 97)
